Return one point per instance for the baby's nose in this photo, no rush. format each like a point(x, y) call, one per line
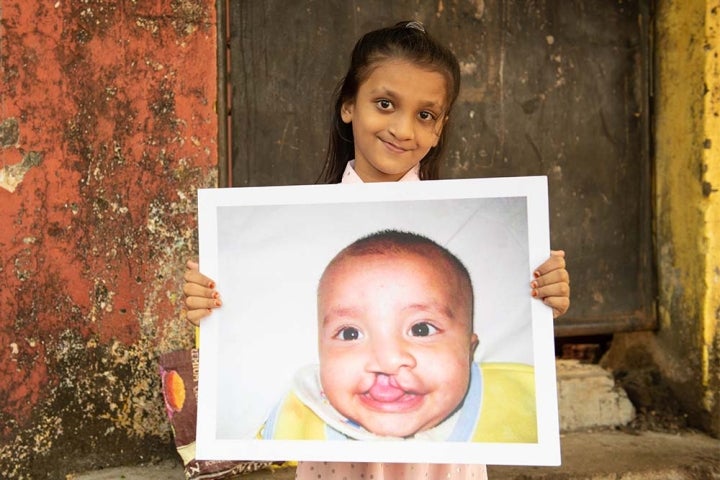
point(390, 356)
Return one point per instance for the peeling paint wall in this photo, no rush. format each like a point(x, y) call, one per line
point(688, 202)
point(686, 348)
point(107, 128)
point(710, 314)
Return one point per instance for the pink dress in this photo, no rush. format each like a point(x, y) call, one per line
point(386, 471)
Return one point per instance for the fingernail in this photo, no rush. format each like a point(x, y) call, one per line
point(534, 284)
point(536, 274)
point(211, 285)
point(218, 303)
point(215, 295)
point(534, 293)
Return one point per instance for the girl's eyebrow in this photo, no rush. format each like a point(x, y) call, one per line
point(383, 91)
point(392, 94)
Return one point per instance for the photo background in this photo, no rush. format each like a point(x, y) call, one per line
point(271, 258)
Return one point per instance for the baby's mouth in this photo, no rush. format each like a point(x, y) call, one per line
point(387, 395)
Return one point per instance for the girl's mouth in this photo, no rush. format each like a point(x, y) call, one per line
point(393, 148)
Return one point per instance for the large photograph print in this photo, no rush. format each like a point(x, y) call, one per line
point(378, 322)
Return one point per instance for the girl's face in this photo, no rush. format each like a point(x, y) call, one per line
point(395, 341)
point(397, 117)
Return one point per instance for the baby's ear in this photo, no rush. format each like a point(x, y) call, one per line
point(474, 342)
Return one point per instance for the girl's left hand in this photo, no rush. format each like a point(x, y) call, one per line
point(552, 283)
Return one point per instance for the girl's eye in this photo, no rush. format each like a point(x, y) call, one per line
point(384, 104)
point(423, 329)
point(426, 116)
point(348, 334)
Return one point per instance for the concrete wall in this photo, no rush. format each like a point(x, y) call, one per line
point(107, 127)
point(686, 349)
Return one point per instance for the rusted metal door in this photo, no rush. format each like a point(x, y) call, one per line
point(549, 88)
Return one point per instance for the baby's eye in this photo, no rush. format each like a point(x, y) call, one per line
point(384, 104)
point(423, 329)
point(349, 334)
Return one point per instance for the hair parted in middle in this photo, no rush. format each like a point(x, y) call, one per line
point(407, 41)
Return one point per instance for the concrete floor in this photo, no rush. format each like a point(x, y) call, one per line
point(603, 455)
point(628, 456)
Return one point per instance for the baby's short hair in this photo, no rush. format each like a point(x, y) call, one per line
point(392, 241)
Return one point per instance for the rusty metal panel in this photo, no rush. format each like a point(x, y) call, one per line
point(107, 128)
point(549, 88)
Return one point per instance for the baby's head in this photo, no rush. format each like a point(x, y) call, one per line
point(396, 341)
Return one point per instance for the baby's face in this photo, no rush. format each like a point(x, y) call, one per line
point(396, 341)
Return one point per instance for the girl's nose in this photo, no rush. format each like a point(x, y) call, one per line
point(389, 356)
point(401, 127)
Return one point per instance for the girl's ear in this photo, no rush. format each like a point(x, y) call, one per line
point(439, 128)
point(346, 111)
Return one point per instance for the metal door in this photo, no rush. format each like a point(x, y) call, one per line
point(549, 88)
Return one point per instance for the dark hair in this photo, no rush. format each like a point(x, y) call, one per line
point(392, 241)
point(407, 41)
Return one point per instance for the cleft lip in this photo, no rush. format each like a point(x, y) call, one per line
point(385, 389)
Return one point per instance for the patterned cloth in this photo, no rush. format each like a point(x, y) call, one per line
point(178, 373)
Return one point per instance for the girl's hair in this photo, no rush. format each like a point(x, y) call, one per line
point(406, 41)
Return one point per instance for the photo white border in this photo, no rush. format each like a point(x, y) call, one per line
point(211, 446)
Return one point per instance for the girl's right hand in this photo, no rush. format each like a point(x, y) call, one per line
point(200, 295)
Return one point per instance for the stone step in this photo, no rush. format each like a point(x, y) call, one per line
point(587, 399)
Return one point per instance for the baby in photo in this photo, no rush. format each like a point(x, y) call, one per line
point(396, 346)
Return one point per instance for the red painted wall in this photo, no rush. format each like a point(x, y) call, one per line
point(107, 128)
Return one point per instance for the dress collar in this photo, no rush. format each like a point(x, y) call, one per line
point(351, 176)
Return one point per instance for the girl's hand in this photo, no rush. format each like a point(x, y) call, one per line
point(552, 283)
point(200, 295)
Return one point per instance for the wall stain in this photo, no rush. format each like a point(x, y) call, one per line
point(9, 132)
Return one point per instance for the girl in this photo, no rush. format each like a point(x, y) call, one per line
point(390, 122)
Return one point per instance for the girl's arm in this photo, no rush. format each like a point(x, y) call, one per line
point(552, 283)
point(200, 295)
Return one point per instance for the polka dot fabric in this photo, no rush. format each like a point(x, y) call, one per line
point(388, 471)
